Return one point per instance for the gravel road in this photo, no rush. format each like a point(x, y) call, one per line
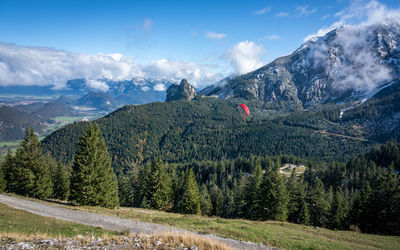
point(110, 222)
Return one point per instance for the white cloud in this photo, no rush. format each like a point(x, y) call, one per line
point(99, 85)
point(159, 87)
point(358, 65)
point(324, 17)
point(197, 75)
point(215, 36)
point(22, 65)
point(324, 31)
point(360, 13)
point(145, 88)
point(148, 24)
point(245, 56)
point(282, 14)
point(305, 11)
point(272, 37)
point(262, 11)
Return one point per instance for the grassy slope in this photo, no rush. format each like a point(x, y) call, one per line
point(271, 233)
point(277, 234)
point(14, 221)
point(21, 225)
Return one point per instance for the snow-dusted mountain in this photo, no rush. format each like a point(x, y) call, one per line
point(347, 64)
point(117, 93)
point(103, 94)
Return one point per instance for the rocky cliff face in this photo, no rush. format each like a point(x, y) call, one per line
point(347, 64)
point(182, 91)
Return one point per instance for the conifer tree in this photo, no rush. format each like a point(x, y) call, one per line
point(62, 181)
point(382, 210)
point(191, 198)
point(338, 213)
point(9, 172)
point(161, 189)
point(93, 181)
point(250, 194)
point(129, 190)
point(296, 188)
point(205, 200)
point(271, 201)
point(3, 183)
point(228, 206)
point(216, 200)
point(145, 184)
point(304, 217)
point(360, 209)
point(318, 204)
point(31, 174)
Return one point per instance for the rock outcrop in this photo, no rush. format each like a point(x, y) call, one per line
point(183, 91)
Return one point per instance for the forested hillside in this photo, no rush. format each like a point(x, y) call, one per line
point(207, 129)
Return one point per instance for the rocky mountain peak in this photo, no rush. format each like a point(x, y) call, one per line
point(348, 64)
point(182, 91)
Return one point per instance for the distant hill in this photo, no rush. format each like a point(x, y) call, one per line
point(13, 123)
point(14, 120)
point(53, 109)
point(32, 107)
point(206, 129)
point(98, 100)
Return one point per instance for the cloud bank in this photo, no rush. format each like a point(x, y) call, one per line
point(245, 56)
point(359, 65)
point(360, 13)
point(22, 65)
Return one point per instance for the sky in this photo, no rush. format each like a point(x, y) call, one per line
point(48, 42)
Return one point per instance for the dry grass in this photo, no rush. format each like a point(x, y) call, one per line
point(157, 241)
point(187, 239)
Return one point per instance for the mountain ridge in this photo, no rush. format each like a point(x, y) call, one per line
point(332, 68)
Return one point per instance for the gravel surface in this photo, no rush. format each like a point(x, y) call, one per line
point(122, 243)
point(110, 222)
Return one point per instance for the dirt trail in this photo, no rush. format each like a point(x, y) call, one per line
point(110, 222)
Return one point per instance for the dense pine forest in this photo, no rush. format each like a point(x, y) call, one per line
point(210, 129)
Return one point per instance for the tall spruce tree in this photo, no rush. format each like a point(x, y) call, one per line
point(161, 187)
point(31, 174)
point(297, 193)
point(205, 200)
point(8, 170)
point(3, 183)
point(304, 217)
point(271, 201)
point(93, 181)
point(62, 181)
point(250, 194)
point(191, 197)
point(338, 210)
point(318, 203)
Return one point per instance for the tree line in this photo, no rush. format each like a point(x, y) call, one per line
point(361, 195)
point(88, 180)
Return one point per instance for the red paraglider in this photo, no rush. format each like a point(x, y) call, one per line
point(245, 109)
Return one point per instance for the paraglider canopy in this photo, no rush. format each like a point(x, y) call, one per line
point(245, 109)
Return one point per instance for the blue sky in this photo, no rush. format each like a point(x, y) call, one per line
point(203, 32)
